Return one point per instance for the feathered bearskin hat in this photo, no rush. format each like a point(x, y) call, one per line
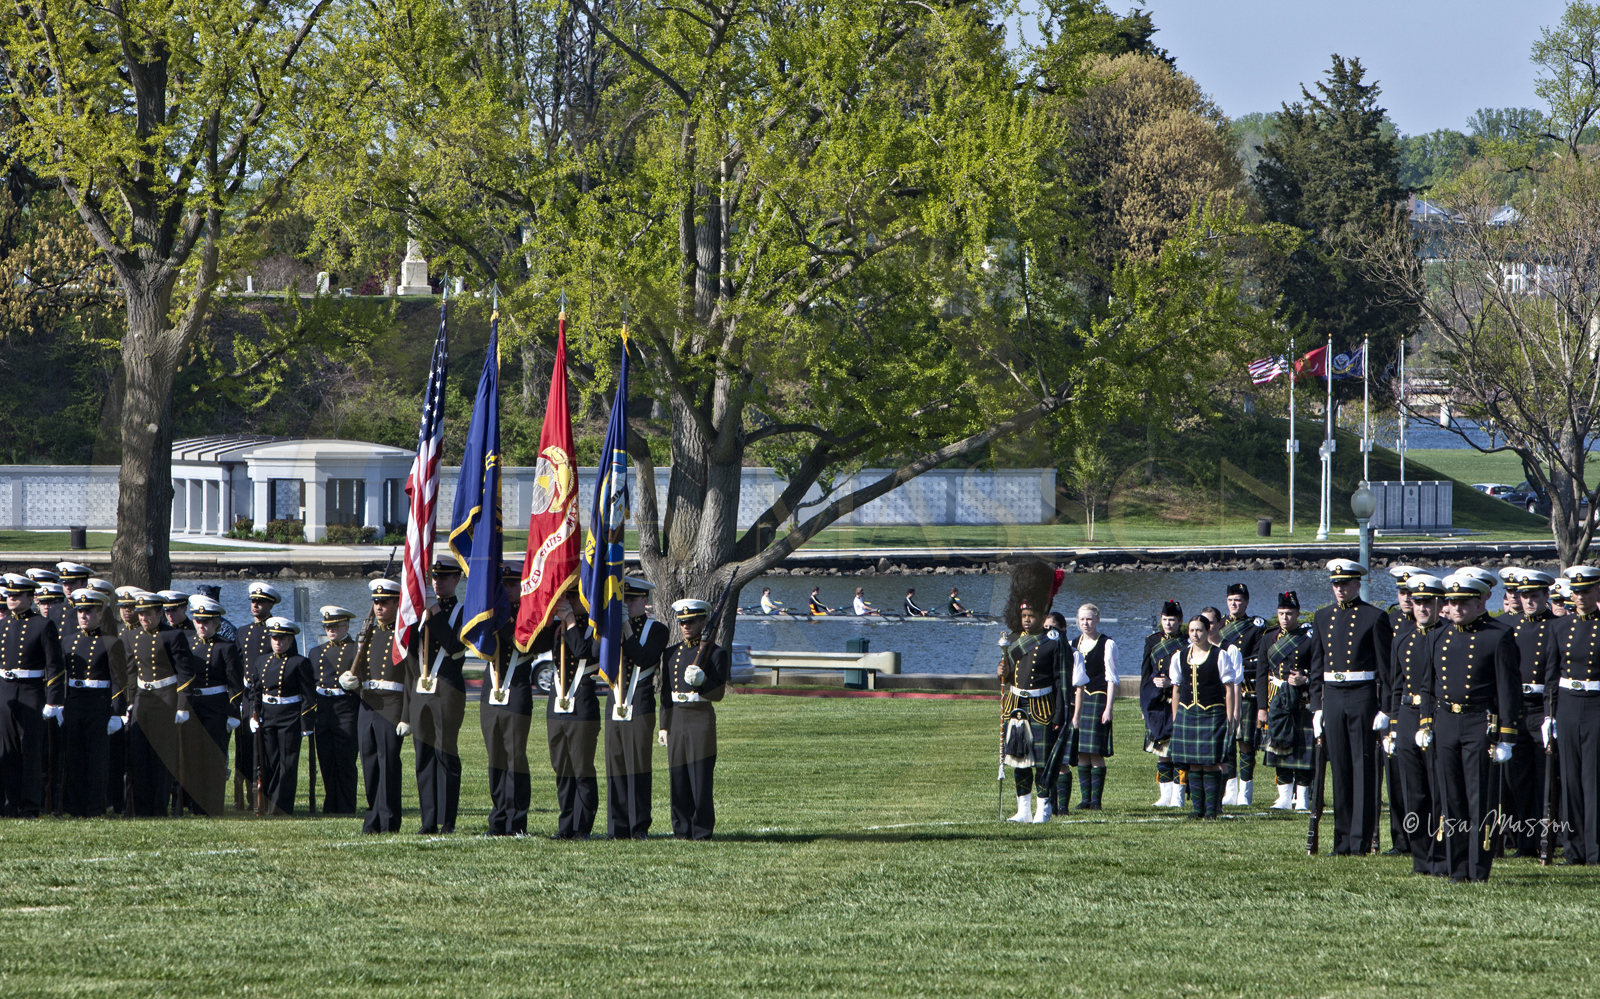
point(1034, 583)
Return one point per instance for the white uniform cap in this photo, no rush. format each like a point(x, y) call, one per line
point(265, 591)
point(85, 598)
point(1402, 571)
point(52, 589)
point(18, 583)
point(689, 608)
point(202, 606)
point(1581, 577)
point(42, 576)
point(1423, 584)
point(173, 598)
point(1341, 569)
point(332, 614)
point(73, 569)
point(383, 588)
point(1533, 579)
point(281, 626)
point(1465, 584)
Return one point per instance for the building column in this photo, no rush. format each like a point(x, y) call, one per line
point(316, 524)
point(180, 505)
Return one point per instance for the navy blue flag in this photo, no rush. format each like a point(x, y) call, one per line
point(475, 531)
point(600, 572)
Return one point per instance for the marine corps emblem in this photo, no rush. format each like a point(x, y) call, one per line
point(552, 481)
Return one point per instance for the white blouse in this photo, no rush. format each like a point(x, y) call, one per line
point(1230, 665)
point(1080, 674)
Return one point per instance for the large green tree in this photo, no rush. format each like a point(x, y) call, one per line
point(173, 128)
point(1331, 170)
point(833, 229)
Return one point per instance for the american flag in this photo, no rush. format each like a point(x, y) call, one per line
point(1268, 368)
point(422, 493)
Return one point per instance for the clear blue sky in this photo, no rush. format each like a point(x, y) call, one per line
point(1436, 60)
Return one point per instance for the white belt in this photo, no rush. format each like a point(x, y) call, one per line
point(1580, 684)
point(686, 698)
point(169, 681)
point(1348, 677)
point(1035, 692)
point(92, 684)
point(385, 685)
point(275, 699)
point(22, 674)
point(332, 691)
point(208, 691)
point(565, 701)
point(1533, 688)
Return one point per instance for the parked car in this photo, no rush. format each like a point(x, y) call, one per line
point(742, 668)
point(1532, 499)
point(1498, 490)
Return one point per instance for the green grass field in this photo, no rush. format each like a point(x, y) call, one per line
point(858, 852)
point(61, 541)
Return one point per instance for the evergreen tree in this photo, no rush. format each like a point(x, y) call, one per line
point(1333, 172)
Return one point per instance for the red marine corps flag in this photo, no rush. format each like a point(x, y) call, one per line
point(551, 564)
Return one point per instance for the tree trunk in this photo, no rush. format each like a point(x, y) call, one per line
point(140, 556)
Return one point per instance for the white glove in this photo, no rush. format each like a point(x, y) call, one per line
point(661, 737)
point(113, 724)
point(53, 711)
point(403, 729)
point(1501, 752)
point(1424, 738)
point(1380, 721)
point(694, 676)
point(306, 735)
point(1316, 724)
point(1388, 744)
point(1547, 730)
point(255, 724)
point(181, 717)
point(348, 681)
point(233, 723)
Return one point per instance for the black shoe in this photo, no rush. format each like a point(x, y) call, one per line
point(1395, 851)
point(428, 832)
point(1084, 806)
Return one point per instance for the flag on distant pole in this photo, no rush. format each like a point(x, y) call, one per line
point(1352, 364)
point(1268, 368)
point(600, 578)
point(1314, 364)
point(550, 567)
point(475, 532)
point(422, 495)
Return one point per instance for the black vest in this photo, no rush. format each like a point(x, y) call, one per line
point(1201, 686)
point(1094, 663)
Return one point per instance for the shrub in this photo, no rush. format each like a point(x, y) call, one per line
point(285, 532)
point(243, 528)
point(349, 534)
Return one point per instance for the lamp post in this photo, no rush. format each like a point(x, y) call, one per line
point(1363, 504)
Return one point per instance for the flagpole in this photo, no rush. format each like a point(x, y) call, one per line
point(1366, 409)
point(1401, 443)
point(1293, 444)
point(1324, 519)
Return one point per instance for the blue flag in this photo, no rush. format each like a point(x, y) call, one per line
point(600, 572)
point(475, 531)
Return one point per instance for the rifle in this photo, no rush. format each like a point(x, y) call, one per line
point(1546, 844)
point(261, 752)
point(1319, 770)
point(1492, 819)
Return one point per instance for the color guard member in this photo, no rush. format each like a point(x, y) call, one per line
point(282, 687)
point(689, 683)
point(337, 733)
point(96, 679)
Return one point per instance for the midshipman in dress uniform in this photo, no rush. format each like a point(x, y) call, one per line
point(630, 715)
point(1511, 597)
point(385, 688)
point(51, 600)
point(687, 685)
point(1155, 701)
point(1094, 682)
point(253, 643)
point(572, 726)
point(94, 698)
point(1572, 719)
point(505, 715)
point(161, 662)
point(335, 724)
point(283, 689)
point(218, 679)
point(75, 576)
point(1409, 659)
point(439, 704)
point(1283, 675)
point(1349, 684)
point(1401, 611)
point(1205, 681)
point(175, 606)
point(1242, 632)
point(1524, 775)
point(30, 655)
point(1035, 669)
point(1471, 703)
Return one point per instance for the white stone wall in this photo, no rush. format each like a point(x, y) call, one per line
point(56, 497)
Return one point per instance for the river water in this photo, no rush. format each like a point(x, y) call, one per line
point(1128, 601)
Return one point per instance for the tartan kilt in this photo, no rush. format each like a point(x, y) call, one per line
point(1300, 760)
point(1094, 736)
point(1251, 737)
point(1039, 737)
point(1198, 735)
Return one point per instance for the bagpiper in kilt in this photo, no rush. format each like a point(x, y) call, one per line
point(1242, 632)
point(218, 678)
point(1205, 681)
point(1524, 775)
point(1283, 673)
point(1155, 701)
point(336, 726)
point(30, 654)
point(1409, 656)
point(1094, 681)
point(1471, 700)
point(1572, 705)
point(1033, 680)
point(1349, 684)
point(94, 696)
